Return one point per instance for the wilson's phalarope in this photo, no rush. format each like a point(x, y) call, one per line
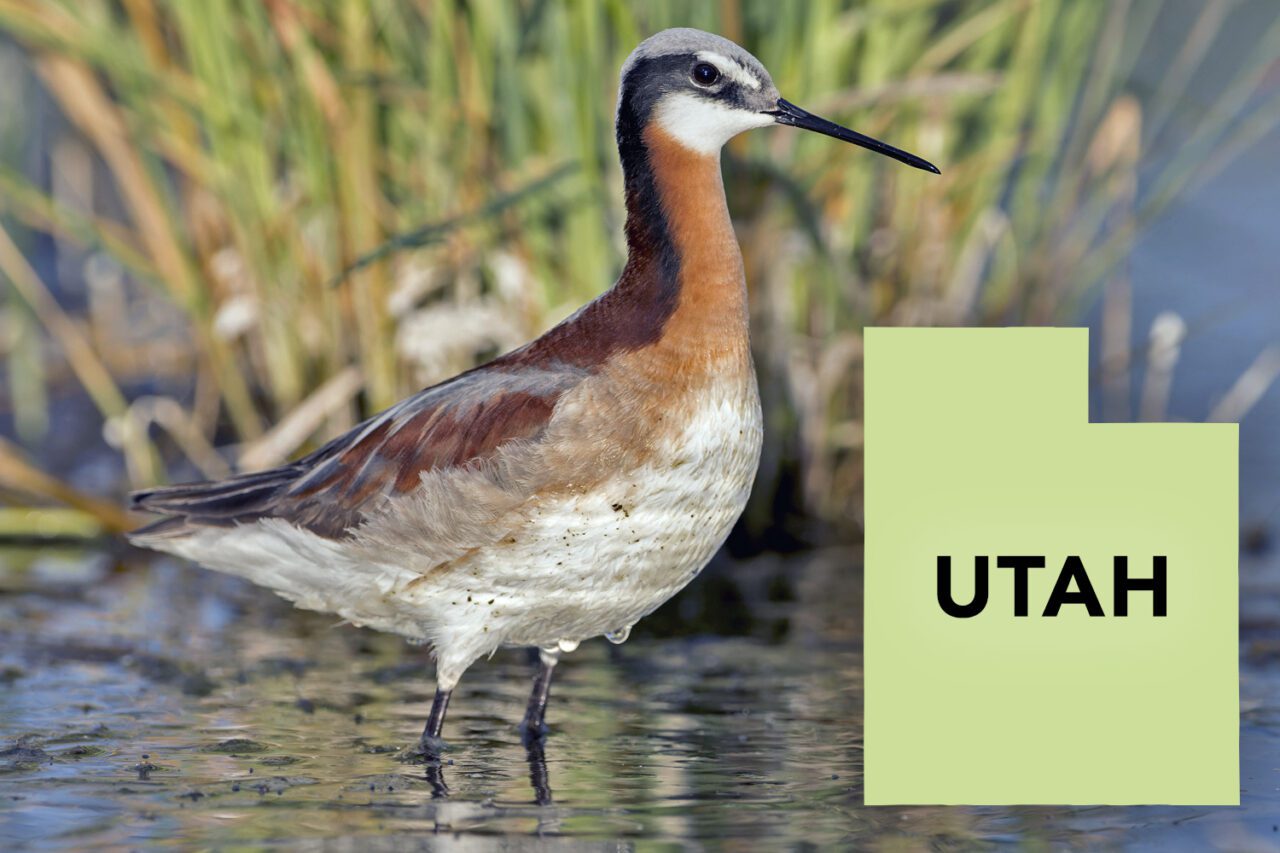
point(568, 488)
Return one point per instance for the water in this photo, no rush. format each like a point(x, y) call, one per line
point(157, 703)
point(618, 636)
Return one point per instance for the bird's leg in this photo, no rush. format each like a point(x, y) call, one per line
point(429, 745)
point(435, 722)
point(534, 726)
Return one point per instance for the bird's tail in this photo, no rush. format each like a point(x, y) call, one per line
point(215, 504)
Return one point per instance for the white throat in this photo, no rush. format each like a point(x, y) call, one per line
point(701, 125)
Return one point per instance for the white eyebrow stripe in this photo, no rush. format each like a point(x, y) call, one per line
point(730, 68)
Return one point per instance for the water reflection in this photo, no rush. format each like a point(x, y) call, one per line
point(538, 776)
point(160, 703)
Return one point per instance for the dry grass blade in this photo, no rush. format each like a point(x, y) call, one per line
point(87, 105)
point(90, 108)
point(19, 474)
point(23, 200)
point(1249, 388)
point(294, 429)
point(178, 423)
point(81, 356)
point(93, 375)
point(1164, 346)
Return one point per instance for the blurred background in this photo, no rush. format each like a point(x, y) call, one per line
point(230, 230)
point(234, 229)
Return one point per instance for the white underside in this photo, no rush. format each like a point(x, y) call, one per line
point(574, 567)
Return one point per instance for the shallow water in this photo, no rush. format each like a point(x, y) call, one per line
point(160, 703)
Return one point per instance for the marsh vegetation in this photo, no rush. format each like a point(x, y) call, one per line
point(233, 229)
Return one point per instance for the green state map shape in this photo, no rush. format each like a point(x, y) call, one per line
point(978, 443)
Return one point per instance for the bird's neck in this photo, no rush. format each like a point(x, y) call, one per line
point(683, 259)
point(681, 299)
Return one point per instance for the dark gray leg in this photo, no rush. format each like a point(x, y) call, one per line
point(428, 748)
point(534, 725)
point(435, 722)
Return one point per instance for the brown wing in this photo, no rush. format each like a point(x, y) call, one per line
point(456, 423)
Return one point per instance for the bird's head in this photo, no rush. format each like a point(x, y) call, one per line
point(702, 90)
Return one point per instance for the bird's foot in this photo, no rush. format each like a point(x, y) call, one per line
point(428, 750)
point(533, 733)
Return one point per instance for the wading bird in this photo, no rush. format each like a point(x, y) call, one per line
point(568, 488)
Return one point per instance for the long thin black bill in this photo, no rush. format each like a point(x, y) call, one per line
point(789, 114)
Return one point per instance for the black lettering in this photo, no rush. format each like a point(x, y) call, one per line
point(948, 604)
point(1073, 569)
point(1157, 585)
point(1021, 567)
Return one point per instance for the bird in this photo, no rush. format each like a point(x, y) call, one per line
point(566, 489)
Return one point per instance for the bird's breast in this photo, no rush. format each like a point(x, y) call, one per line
point(595, 559)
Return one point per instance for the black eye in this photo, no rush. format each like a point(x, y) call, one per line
point(705, 74)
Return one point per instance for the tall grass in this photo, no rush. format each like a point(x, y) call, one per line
point(304, 209)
